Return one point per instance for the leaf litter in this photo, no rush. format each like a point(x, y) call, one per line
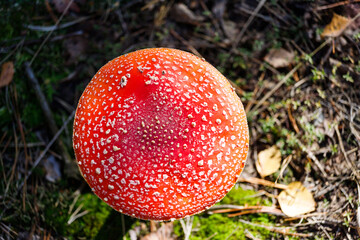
point(296, 200)
point(7, 74)
point(268, 161)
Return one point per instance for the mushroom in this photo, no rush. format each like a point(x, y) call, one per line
point(160, 134)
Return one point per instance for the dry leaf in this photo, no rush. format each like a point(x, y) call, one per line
point(61, 5)
point(75, 47)
point(268, 161)
point(279, 57)
point(181, 13)
point(7, 74)
point(296, 200)
point(336, 26)
point(231, 29)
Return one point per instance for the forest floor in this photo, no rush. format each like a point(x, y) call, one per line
point(294, 64)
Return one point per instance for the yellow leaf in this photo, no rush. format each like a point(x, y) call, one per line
point(7, 74)
point(296, 200)
point(268, 161)
point(336, 26)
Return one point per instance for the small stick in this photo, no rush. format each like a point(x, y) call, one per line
point(35, 41)
point(312, 156)
point(284, 231)
point(41, 98)
point(264, 182)
point(305, 216)
point(48, 36)
point(333, 5)
point(37, 161)
point(8, 230)
point(242, 210)
point(248, 234)
point(57, 27)
point(51, 12)
point(48, 115)
point(349, 162)
point(233, 231)
point(247, 24)
point(279, 84)
point(292, 119)
point(75, 215)
point(252, 100)
point(263, 209)
point(122, 21)
point(237, 209)
point(186, 43)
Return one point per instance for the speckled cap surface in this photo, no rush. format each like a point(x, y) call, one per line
point(160, 134)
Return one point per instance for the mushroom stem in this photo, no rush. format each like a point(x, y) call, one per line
point(187, 226)
point(152, 226)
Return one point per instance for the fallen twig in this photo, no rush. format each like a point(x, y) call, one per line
point(48, 114)
point(24, 42)
point(333, 5)
point(6, 229)
point(349, 162)
point(284, 79)
point(260, 181)
point(263, 209)
point(312, 156)
point(186, 43)
point(75, 215)
point(247, 24)
point(37, 161)
point(41, 98)
point(248, 234)
point(281, 230)
point(48, 36)
point(305, 216)
point(242, 210)
point(56, 27)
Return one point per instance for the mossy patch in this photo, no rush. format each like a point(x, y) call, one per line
point(86, 226)
point(220, 226)
point(239, 196)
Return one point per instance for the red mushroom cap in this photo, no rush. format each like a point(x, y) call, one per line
point(160, 134)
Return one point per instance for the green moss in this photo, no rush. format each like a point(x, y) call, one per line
point(52, 207)
point(86, 226)
point(90, 224)
point(5, 117)
point(32, 115)
point(239, 196)
point(220, 226)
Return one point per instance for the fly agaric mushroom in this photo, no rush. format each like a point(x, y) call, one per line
point(159, 134)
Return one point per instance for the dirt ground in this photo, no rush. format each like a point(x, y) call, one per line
point(294, 64)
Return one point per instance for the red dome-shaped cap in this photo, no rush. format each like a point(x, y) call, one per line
point(160, 134)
